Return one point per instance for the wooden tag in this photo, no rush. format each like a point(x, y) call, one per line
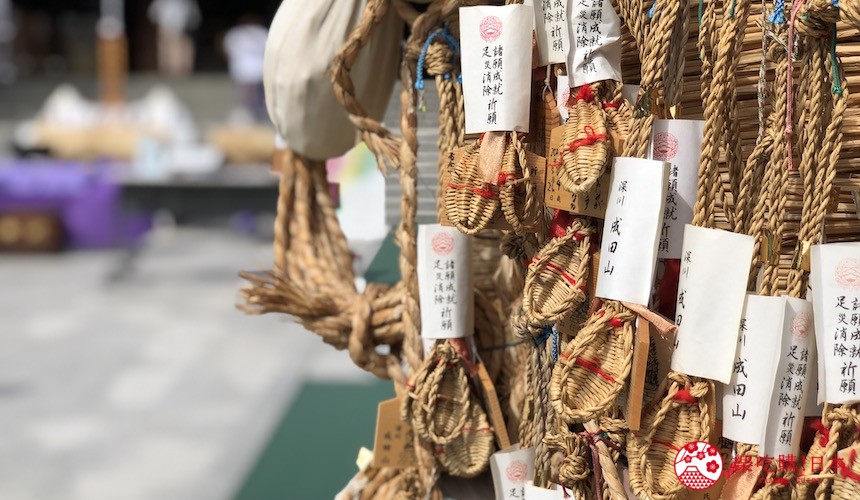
point(641, 343)
point(592, 203)
point(491, 399)
point(394, 445)
point(833, 206)
point(491, 156)
point(537, 169)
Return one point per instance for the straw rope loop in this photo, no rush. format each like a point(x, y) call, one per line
point(384, 145)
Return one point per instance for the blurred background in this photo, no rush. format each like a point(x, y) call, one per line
point(135, 184)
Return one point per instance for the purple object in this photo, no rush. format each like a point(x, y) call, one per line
point(83, 195)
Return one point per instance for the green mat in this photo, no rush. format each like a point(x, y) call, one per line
point(312, 453)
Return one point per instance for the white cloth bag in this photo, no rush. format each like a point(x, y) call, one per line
point(303, 40)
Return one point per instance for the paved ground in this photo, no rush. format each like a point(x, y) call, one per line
point(154, 387)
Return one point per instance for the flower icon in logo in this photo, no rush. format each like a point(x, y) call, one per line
point(517, 472)
point(698, 465)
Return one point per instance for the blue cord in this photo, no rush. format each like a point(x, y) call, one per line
point(452, 42)
point(778, 14)
point(652, 9)
point(554, 344)
point(545, 335)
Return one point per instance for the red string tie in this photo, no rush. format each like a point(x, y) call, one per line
point(684, 396)
point(591, 137)
point(593, 367)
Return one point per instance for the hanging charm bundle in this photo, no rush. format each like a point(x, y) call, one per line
point(507, 324)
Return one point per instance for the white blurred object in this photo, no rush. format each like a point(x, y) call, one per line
point(74, 127)
point(245, 45)
point(303, 39)
point(66, 106)
point(162, 111)
point(175, 16)
point(194, 159)
point(174, 19)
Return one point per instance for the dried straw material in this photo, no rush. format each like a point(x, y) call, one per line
point(846, 484)
point(838, 429)
point(469, 453)
point(438, 396)
point(681, 416)
point(472, 203)
point(556, 278)
point(592, 370)
point(585, 145)
point(851, 11)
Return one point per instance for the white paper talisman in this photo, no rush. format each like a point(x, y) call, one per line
point(511, 469)
point(551, 31)
point(445, 282)
point(595, 38)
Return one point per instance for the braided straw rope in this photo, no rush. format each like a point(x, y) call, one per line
point(683, 414)
point(585, 146)
point(851, 10)
point(821, 151)
point(619, 114)
point(592, 370)
point(556, 279)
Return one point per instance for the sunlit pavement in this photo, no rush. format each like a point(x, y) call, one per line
point(150, 387)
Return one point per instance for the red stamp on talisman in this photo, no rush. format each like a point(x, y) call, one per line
point(848, 273)
point(517, 472)
point(665, 146)
point(491, 28)
point(800, 325)
point(443, 243)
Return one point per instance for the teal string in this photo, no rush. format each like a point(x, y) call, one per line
point(701, 11)
point(554, 344)
point(732, 10)
point(834, 63)
point(653, 9)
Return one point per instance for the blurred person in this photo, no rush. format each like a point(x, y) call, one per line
point(7, 37)
point(175, 19)
point(245, 45)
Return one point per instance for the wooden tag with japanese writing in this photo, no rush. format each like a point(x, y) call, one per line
point(394, 445)
point(592, 203)
point(495, 410)
point(641, 343)
point(537, 170)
